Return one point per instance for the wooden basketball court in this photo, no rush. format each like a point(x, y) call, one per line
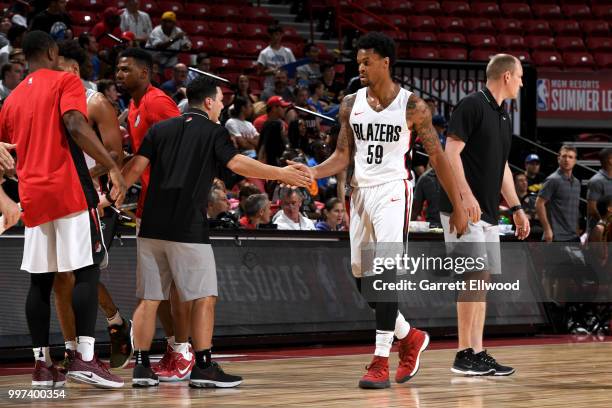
point(548, 375)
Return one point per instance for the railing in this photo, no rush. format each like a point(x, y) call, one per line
point(341, 19)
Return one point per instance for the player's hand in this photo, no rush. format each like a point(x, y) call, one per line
point(305, 169)
point(548, 235)
point(458, 222)
point(11, 212)
point(521, 222)
point(119, 187)
point(309, 170)
point(295, 175)
point(471, 206)
point(6, 160)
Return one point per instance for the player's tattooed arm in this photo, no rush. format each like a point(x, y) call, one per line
point(345, 146)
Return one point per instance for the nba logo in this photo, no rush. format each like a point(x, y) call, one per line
point(543, 91)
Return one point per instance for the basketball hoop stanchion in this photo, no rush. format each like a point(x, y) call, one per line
point(314, 113)
point(209, 75)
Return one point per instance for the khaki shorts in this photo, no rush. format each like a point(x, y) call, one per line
point(190, 266)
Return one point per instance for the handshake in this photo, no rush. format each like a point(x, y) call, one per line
point(296, 175)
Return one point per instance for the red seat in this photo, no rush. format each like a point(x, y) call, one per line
point(578, 59)
point(546, 11)
point(457, 38)
point(603, 59)
point(576, 11)
point(194, 27)
point(396, 35)
point(83, 18)
point(78, 30)
point(227, 13)
point(540, 42)
point(509, 26)
point(429, 7)
point(219, 64)
point(453, 53)
point(149, 6)
point(422, 36)
point(421, 23)
point(565, 27)
point(366, 21)
point(481, 40)
point(521, 55)
point(485, 9)
point(536, 27)
point(516, 10)
point(456, 8)
point(256, 15)
point(511, 41)
point(89, 5)
point(199, 43)
point(174, 6)
point(291, 34)
point(481, 55)
point(397, 20)
point(254, 31)
point(603, 11)
point(591, 27)
point(424, 53)
point(224, 46)
point(397, 6)
point(569, 44)
point(599, 43)
point(450, 23)
point(246, 65)
point(219, 29)
point(547, 58)
point(252, 47)
point(480, 25)
point(197, 11)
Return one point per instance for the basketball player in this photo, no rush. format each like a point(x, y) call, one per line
point(148, 106)
point(46, 116)
point(376, 124)
point(103, 120)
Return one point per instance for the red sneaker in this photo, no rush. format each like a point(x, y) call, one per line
point(93, 372)
point(47, 377)
point(163, 363)
point(178, 369)
point(410, 349)
point(377, 375)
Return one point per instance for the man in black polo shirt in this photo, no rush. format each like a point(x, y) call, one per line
point(478, 144)
point(173, 243)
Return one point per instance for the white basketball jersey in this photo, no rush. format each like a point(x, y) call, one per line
point(382, 140)
point(89, 93)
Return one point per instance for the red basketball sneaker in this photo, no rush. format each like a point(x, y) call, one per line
point(178, 368)
point(410, 349)
point(163, 363)
point(377, 375)
point(47, 377)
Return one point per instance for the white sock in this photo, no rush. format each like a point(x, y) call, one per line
point(116, 320)
point(384, 340)
point(171, 341)
point(71, 345)
point(183, 348)
point(42, 354)
point(402, 327)
point(86, 347)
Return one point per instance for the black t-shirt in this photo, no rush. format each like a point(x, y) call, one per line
point(185, 154)
point(486, 129)
point(45, 21)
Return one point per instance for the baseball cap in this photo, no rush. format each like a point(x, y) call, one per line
point(532, 158)
point(169, 15)
point(128, 36)
point(277, 101)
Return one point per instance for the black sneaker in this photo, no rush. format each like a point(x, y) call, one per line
point(144, 377)
point(64, 365)
point(121, 344)
point(500, 370)
point(212, 376)
point(467, 363)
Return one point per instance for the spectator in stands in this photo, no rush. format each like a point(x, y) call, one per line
point(245, 192)
point(136, 21)
point(272, 137)
point(168, 38)
point(108, 88)
point(273, 57)
point(298, 139)
point(600, 186)
point(281, 87)
point(439, 123)
point(88, 42)
point(111, 19)
point(54, 20)
point(316, 99)
point(276, 108)
point(217, 203)
point(243, 133)
point(244, 89)
point(202, 63)
point(257, 211)
point(129, 40)
point(17, 55)
point(532, 171)
point(20, 10)
point(311, 121)
point(526, 197)
point(11, 75)
point(15, 36)
point(333, 90)
point(333, 216)
point(5, 25)
point(179, 78)
point(427, 196)
point(289, 218)
point(311, 71)
point(558, 202)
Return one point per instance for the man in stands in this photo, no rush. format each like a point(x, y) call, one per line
point(136, 21)
point(257, 211)
point(289, 218)
point(10, 76)
point(168, 37)
point(281, 87)
point(532, 171)
point(179, 76)
point(273, 57)
point(109, 25)
point(53, 19)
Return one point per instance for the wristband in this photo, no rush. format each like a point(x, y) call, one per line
point(516, 208)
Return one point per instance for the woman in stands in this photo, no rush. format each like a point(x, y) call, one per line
point(333, 216)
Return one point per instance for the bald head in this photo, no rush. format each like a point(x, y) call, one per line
point(500, 64)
